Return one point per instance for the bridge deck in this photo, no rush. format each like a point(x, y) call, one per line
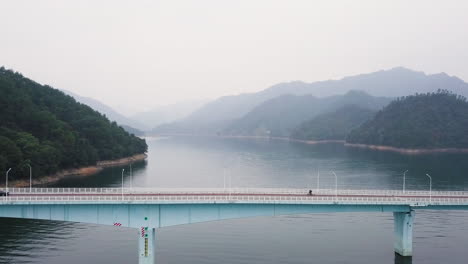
point(279, 196)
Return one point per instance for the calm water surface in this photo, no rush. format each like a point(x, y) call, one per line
point(364, 238)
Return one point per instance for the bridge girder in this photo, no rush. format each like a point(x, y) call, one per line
point(163, 215)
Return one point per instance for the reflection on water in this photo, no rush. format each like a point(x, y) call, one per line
point(108, 177)
point(317, 238)
point(403, 260)
point(14, 233)
point(199, 162)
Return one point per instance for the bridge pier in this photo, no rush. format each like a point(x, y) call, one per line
point(403, 229)
point(146, 245)
point(403, 260)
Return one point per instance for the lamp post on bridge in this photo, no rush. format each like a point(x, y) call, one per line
point(30, 178)
point(122, 183)
point(430, 187)
point(131, 177)
point(318, 179)
point(230, 186)
point(404, 180)
point(6, 182)
point(224, 179)
point(336, 185)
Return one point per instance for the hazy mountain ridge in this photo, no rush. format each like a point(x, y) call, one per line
point(141, 121)
point(133, 131)
point(279, 116)
point(390, 83)
point(335, 125)
point(167, 114)
point(108, 111)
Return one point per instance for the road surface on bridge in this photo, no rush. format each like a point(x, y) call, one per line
point(262, 195)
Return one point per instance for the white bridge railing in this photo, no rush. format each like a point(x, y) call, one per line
point(291, 191)
point(235, 195)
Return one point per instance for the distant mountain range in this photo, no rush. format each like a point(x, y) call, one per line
point(335, 125)
point(242, 113)
point(166, 114)
point(279, 116)
point(110, 113)
point(395, 82)
point(142, 121)
point(279, 108)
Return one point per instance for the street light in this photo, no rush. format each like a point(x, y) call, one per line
point(430, 187)
point(224, 179)
point(30, 178)
point(336, 185)
point(404, 180)
point(6, 183)
point(318, 179)
point(230, 186)
point(131, 177)
point(122, 183)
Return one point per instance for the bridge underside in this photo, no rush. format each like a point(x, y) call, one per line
point(163, 215)
point(148, 217)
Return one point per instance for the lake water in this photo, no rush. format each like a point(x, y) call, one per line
point(364, 238)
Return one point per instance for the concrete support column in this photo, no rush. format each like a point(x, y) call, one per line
point(403, 229)
point(146, 245)
point(403, 260)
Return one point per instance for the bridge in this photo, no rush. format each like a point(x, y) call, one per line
point(148, 209)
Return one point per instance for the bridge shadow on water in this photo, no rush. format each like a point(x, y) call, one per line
point(403, 260)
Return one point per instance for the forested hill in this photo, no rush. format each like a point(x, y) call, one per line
point(280, 116)
point(220, 114)
point(432, 120)
point(43, 127)
point(333, 125)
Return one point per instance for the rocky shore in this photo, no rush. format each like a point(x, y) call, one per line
point(79, 172)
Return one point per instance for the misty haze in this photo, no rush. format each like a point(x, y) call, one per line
point(217, 131)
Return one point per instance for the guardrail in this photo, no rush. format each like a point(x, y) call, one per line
point(297, 191)
point(243, 199)
point(264, 195)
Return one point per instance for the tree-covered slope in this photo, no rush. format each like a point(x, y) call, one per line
point(49, 130)
point(218, 114)
point(432, 120)
point(110, 113)
point(134, 131)
point(281, 115)
point(333, 125)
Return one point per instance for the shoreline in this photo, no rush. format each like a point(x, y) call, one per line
point(405, 151)
point(310, 142)
point(80, 172)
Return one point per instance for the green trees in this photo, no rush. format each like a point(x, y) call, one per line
point(333, 125)
point(42, 127)
point(432, 120)
point(283, 114)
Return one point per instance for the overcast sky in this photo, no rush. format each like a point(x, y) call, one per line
point(140, 54)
